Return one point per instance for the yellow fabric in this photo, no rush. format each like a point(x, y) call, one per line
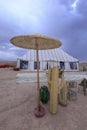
point(58, 90)
point(63, 92)
point(54, 90)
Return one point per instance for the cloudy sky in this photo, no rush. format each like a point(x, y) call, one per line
point(62, 19)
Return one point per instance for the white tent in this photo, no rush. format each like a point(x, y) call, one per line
point(48, 59)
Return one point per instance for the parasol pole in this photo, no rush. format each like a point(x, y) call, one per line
point(38, 82)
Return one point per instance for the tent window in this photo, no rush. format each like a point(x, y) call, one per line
point(23, 64)
point(35, 65)
point(73, 65)
point(62, 65)
point(47, 66)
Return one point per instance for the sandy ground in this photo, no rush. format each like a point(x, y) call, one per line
point(17, 103)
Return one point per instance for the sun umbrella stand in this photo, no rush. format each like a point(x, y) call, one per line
point(39, 111)
point(36, 42)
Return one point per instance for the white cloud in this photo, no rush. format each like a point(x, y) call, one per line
point(74, 5)
point(7, 56)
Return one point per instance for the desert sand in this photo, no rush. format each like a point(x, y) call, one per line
point(17, 103)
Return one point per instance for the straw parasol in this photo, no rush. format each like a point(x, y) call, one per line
point(36, 42)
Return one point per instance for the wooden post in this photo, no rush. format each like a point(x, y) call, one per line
point(38, 82)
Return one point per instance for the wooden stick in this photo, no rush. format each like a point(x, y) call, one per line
point(38, 82)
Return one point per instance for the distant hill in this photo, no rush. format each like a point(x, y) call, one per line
point(8, 62)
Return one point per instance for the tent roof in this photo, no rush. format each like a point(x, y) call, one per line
point(54, 55)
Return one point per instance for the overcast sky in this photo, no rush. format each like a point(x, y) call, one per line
point(62, 19)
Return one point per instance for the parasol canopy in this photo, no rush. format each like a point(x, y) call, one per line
point(31, 42)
